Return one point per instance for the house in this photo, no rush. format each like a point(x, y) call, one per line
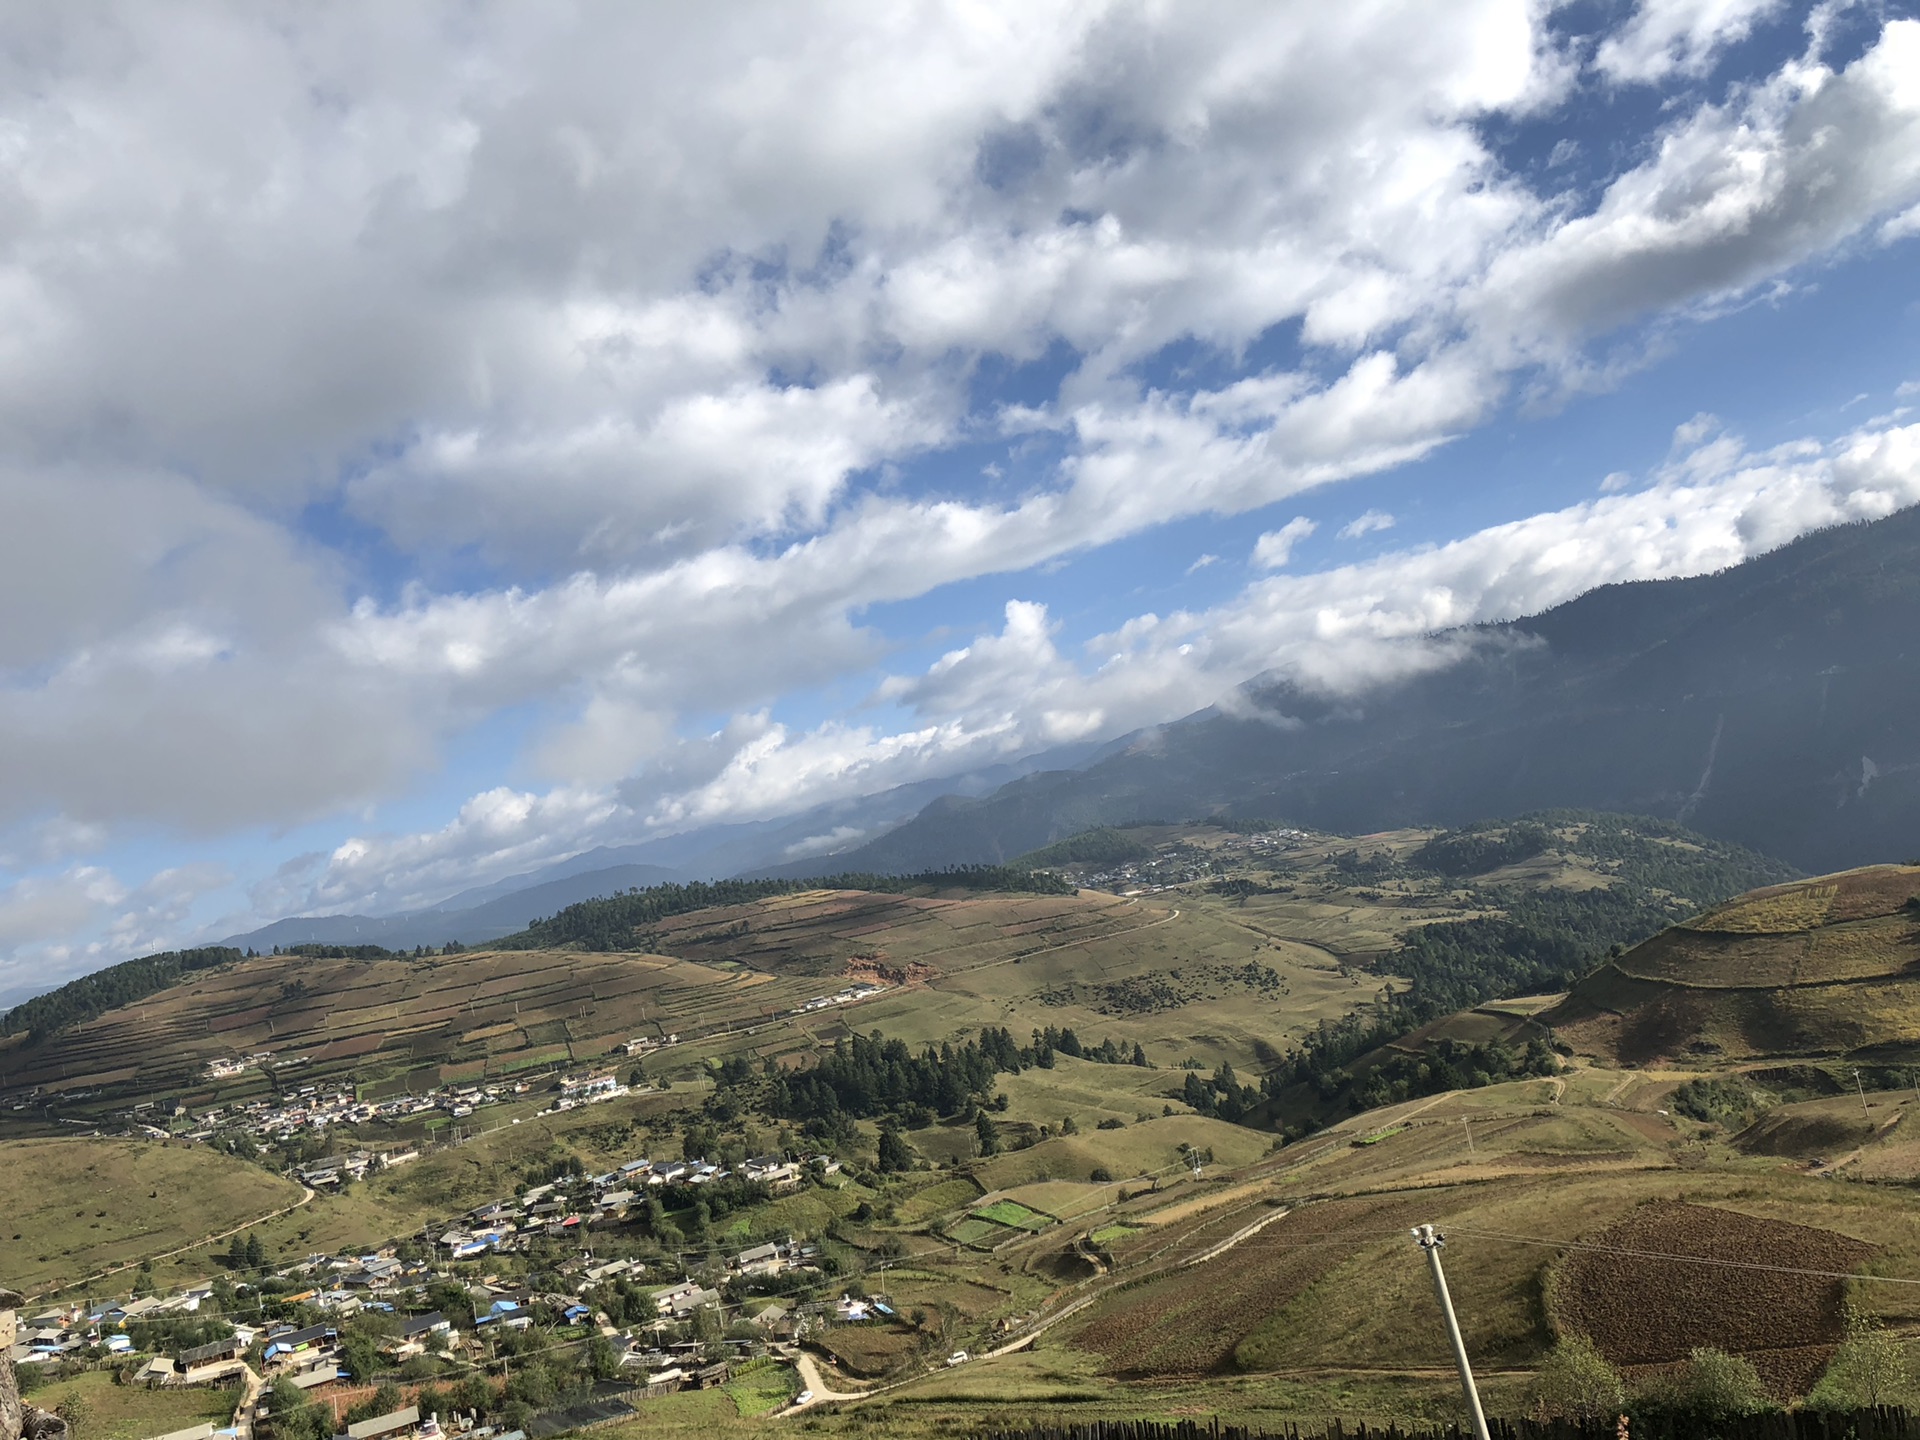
point(418, 1334)
point(684, 1299)
point(610, 1270)
point(394, 1426)
point(772, 1318)
point(202, 1360)
point(418, 1327)
point(299, 1347)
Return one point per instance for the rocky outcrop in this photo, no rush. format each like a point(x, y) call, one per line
point(19, 1420)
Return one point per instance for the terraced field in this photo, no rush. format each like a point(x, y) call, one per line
point(1827, 966)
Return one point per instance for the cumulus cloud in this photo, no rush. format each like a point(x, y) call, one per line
point(1366, 524)
point(1665, 36)
point(1274, 548)
point(1009, 693)
point(371, 373)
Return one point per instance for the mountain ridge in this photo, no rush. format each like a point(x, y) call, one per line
point(1764, 703)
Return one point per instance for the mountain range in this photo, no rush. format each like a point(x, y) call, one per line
point(1775, 704)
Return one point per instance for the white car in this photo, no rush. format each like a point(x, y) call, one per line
point(805, 1397)
point(958, 1357)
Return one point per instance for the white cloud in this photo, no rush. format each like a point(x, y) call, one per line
point(1202, 563)
point(366, 375)
point(1665, 36)
point(1366, 524)
point(1275, 548)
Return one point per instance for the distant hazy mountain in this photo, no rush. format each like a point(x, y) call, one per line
point(1776, 704)
point(487, 912)
point(469, 925)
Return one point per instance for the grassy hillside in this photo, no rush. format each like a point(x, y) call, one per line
point(75, 1208)
point(1819, 967)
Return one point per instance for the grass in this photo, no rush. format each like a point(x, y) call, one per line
point(1107, 1234)
point(131, 1412)
point(762, 1387)
point(75, 1207)
point(1014, 1214)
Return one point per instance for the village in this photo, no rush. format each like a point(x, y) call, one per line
point(462, 1298)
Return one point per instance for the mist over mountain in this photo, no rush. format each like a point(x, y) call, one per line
point(1775, 703)
point(487, 912)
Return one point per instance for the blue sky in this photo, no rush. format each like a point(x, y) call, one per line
point(440, 440)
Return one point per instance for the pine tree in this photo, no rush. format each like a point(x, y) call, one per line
point(894, 1152)
point(987, 1133)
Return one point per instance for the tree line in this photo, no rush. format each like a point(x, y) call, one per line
point(79, 1001)
point(868, 1076)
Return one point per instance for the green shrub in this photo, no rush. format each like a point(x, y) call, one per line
point(1576, 1382)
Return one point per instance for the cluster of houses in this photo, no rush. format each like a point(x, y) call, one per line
point(577, 1090)
point(642, 1045)
point(335, 1170)
point(558, 1208)
point(859, 990)
point(314, 1108)
point(307, 1352)
point(227, 1068)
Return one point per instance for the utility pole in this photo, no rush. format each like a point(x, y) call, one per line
point(1857, 1085)
point(1430, 1240)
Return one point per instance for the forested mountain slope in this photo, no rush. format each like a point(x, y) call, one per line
point(1773, 704)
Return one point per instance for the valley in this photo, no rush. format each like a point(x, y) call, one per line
point(1213, 1082)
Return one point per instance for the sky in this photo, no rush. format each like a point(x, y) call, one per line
point(439, 439)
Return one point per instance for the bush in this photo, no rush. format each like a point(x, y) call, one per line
point(1716, 1386)
point(1869, 1369)
point(1577, 1383)
point(1102, 1176)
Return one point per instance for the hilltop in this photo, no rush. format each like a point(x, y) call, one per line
point(1829, 966)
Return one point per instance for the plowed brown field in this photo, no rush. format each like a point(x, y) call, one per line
point(1653, 1307)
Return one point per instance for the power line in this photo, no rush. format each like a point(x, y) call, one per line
point(1280, 1242)
point(1630, 1253)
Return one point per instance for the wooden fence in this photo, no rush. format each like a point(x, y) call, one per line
point(1880, 1424)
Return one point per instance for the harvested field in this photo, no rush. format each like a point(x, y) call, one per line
point(868, 1351)
point(982, 1234)
point(937, 1199)
point(1814, 1129)
point(1652, 1308)
point(1196, 1322)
